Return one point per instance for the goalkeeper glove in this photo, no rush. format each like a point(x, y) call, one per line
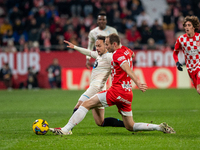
point(179, 66)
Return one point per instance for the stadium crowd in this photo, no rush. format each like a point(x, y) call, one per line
point(42, 25)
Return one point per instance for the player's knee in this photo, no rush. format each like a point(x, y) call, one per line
point(129, 128)
point(99, 124)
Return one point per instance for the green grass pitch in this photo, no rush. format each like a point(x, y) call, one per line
point(180, 108)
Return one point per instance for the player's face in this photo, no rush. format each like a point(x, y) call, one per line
point(189, 29)
point(102, 21)
point(100, 47)
point(108, 46)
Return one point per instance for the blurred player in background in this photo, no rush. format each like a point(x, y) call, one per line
point(119, 94)
point(189, 43)
point(101, 71)
point(101, 29)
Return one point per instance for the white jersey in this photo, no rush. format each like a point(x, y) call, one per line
point(95, 32)
point(101, 69)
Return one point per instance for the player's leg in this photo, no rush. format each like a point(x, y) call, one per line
point(131, 126)
point(198, 89)
point(80, 114)
point(109, 121)
point(98, 114)
point(198, 82)
point(85, 96)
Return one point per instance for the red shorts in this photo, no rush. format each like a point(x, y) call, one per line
point(195, 77)
point(122, 99)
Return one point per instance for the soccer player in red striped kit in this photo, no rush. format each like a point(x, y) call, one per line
point(189, 43)
point(119, 94)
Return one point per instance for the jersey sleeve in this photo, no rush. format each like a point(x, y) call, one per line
point(177, 46)
point(119, 58)
point(91, 43)
point(94, 54)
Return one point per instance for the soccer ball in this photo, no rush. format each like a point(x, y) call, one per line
point(40, 127)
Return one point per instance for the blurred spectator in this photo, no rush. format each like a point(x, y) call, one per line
point(88, 21)
point(16, 13)
point(51, 12)
point(133, 35)
point(116, 21)
point(2, 12)
point(61, 46)
point(55, 30)
point(158, 33)
point(35, 47)
point(168, 24)
point(137, 46)
point(42, 19)
point(5, 27)
point(19, 32)
point(151, 44)
point(143, 16)
point(145, 33)
point(129, 23)
point(88, 7)
point(8, 37)
point(54, 74)
point(187, 10)
point(69, 33)
point(10, 47)
point(6, 76)
point(45, 39)
point(24, 47)
point(33, 31)
point(32, 81)
point(136, 9)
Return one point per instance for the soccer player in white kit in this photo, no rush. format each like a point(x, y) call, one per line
point(189, 43)
point(100, 73)
point(104, 30)
point(101, 29)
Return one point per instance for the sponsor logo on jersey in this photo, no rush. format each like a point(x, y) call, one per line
point(95, 63)
point(126, 52)
point(123, 100)
point(121, 58)
point(126, 86)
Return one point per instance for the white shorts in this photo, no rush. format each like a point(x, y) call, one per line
point(91, 91)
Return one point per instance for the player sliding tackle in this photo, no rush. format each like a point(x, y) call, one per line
point(101, 71)
point(119, 94)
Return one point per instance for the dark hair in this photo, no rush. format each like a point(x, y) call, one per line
point(101, 37)
point(114, 38)
point(101, 13)
point(194, 20)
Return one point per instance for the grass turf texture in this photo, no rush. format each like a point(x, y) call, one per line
point(180, 108)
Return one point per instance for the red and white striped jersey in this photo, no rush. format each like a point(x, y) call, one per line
point(191, 50)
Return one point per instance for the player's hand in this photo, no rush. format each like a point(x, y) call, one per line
point(87, 64)
point(70, 45)
point(142, 86)
point(179, 66)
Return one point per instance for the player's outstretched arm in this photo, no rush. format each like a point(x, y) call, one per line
point(80, 49)
point(70, 45)
point(142, 86)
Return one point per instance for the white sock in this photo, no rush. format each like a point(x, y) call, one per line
point(146, 127)
point(76, 118)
